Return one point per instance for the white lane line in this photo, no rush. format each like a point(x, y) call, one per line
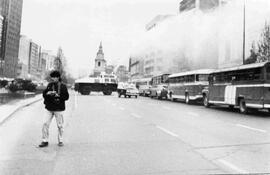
point(233, 167)
point(254, 129)
point(194, 114)
point(135, 115)
point(121, 108)
point(167, 131)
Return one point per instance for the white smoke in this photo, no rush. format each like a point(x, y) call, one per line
point(211, 39)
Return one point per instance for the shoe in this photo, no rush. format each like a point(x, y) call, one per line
point(43, 144)
point(60, 144)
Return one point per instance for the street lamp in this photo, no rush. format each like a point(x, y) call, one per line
point(244, 31)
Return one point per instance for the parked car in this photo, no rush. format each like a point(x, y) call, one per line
point(159, 91)
point(127, 90)
point(132, 91)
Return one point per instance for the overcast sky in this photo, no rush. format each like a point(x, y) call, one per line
point(78, 26)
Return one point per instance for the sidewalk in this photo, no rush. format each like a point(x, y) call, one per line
point(6, 110)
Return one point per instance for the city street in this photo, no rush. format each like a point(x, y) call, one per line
point(107, 135)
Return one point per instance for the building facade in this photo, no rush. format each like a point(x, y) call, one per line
point(204, 5)
point(34, 57)
point(11, 10)
point(109, 69)
point(49, 57)
point(24, 52)
point(154, 22)
point(122, 74)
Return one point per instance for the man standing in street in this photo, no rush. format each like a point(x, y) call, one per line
point(54, 96)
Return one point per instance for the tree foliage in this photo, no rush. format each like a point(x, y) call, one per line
point(261, 53)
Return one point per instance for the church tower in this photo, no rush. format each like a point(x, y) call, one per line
point(100, 62)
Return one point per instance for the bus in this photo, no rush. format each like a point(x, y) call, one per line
point(159, 86)
point(188, 85)
point(143, 84)
point(245, 86)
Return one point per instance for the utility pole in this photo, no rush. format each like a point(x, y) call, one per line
point(244, 32)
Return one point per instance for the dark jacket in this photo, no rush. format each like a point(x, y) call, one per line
point(55, 103)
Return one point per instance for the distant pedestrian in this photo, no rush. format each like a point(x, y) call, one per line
point(54, 96)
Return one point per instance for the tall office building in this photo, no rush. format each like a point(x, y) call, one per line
point(11, 10)
point(24, 53)
point(204, 5)
point(34, 57)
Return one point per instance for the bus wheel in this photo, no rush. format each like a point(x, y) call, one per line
point(170, 97)
point(242, 106)
point(187, 99)
point(205, 101)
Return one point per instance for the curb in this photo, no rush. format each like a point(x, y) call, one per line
point(17, 109)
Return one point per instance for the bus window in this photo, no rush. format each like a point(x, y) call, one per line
point(201, 77)
point(268, 73)
point(189, 78)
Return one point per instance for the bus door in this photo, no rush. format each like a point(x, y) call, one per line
point(230, 93)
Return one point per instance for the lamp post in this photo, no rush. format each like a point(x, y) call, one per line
point(244, 32)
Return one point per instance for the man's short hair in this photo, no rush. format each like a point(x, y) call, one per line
point(55, 73)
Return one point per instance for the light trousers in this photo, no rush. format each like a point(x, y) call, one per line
point(46, 125)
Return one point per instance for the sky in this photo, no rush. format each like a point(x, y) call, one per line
point(78, 27)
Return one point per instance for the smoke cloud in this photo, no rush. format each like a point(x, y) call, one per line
point(204, 39)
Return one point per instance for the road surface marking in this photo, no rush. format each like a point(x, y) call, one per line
point(167, 131)
point(254, 129)
point(194, 114)
point(136, 115)
point(233, 167)
point(121, 108)
point(165, 107)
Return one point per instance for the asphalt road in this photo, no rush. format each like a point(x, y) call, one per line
point(107, 135)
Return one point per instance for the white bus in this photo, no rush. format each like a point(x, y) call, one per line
point(188, 85)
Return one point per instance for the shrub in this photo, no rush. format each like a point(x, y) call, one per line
point(13, 87)
point(21, 84)
point(3, 83)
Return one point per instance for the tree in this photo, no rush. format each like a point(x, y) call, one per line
point(253, 55)
point(262, 52)
point(264, 44)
